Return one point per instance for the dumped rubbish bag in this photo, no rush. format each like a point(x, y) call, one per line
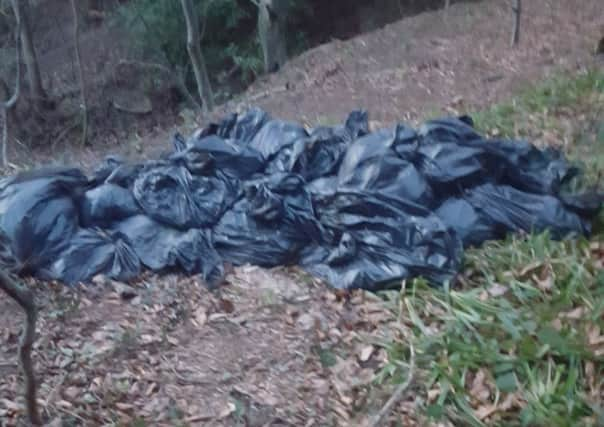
point(359, 208)
point(171, 195)
point(106, 204)
point(382, 241)
point(270, 225)
point(92, 252)
point(211, 154)
point(39, 214)
point(509, 209)
point(160, 247)
point(372, 163)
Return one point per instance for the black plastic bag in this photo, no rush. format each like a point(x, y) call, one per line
point(320, 153)
point(210, 154)
point(359, 209)
point(171, 195)
point(105, 204)
point(240, 127)
point(39, 215)
point(92, 252)
point(276, 135)
point(372, 163)
point(115, 170)
point(511, 210)
point(470, 226)
point(381, 241)
point(160, 247)
point(459, 154)
point(270, 225)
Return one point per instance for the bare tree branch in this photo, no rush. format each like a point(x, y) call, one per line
point(76, 40)
point(194, 48)
point(25, 298)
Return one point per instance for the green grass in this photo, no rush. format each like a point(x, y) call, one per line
point(565, 111)
point(532, 340)
point(529, 307)
point(539, 107)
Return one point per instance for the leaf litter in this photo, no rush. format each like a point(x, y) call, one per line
point(271, 345)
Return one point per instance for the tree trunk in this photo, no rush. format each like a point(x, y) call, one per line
point(76, 40)
point(8, 103)
point(271, 32)
point(5, 95)
point(197, 61)
point(30, 58)
point(517, 9)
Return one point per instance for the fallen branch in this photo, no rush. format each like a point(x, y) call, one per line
point(25, 298)
point(398, 393)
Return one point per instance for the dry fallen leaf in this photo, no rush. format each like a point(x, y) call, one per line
point(497, 290)
point(227, 305)
point(306, 322)
point(228, 410)
point(12, 406)
point(124, 406)
point(433, 394)
point(574, 314)
point(485, 411)
point(480, 390)
point(200, 317)
point(508, 402)
point(366, 353)
point(63, 404)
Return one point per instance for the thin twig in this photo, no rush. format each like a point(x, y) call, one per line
point(398, 393)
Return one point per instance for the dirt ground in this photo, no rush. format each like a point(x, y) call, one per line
point(277, 347)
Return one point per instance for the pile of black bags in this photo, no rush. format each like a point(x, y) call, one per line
point(359, 209)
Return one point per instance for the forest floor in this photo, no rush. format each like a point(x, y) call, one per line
point(276, 347)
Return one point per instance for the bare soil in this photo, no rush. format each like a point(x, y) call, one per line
point(275, 347)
